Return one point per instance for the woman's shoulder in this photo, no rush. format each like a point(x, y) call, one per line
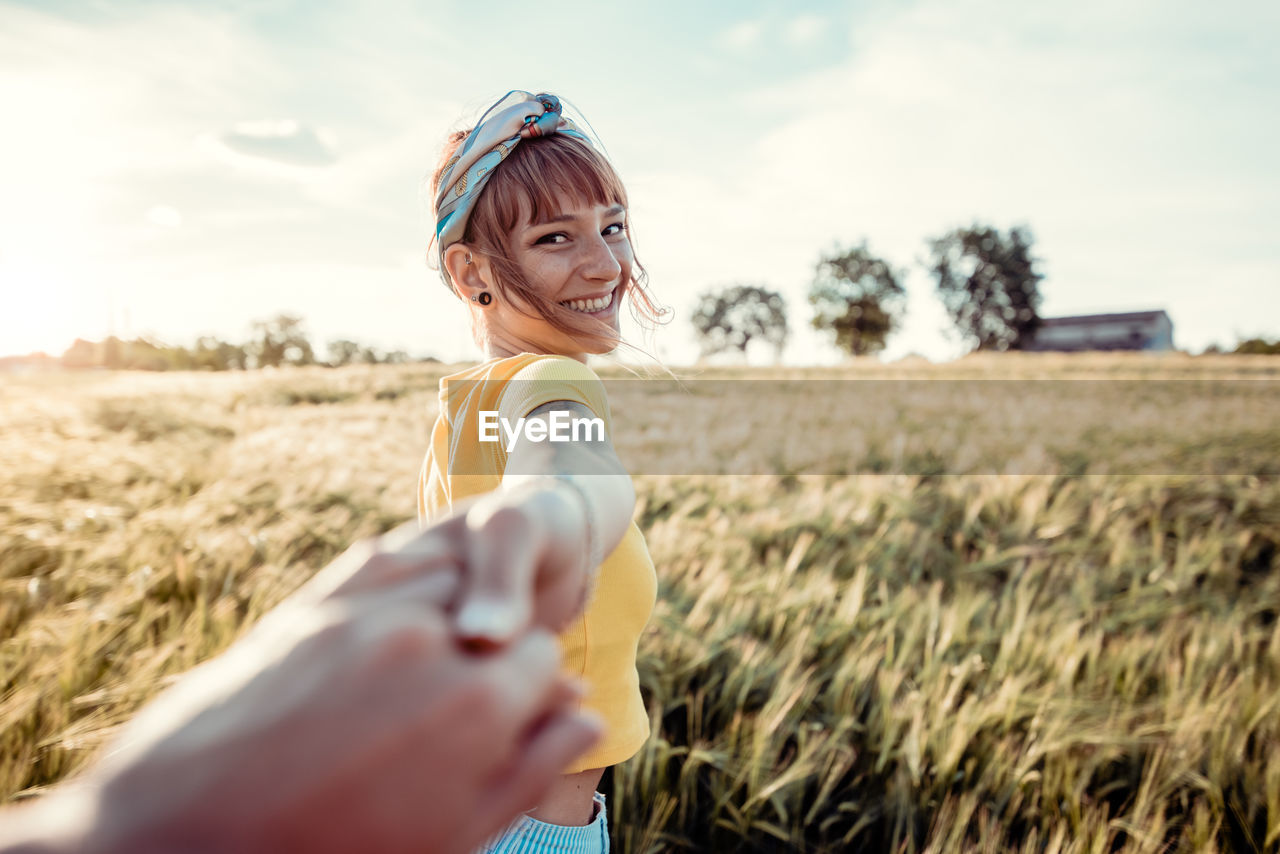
point(524, 366)
point(550, 366)
point(522, 382)
point(537, 379)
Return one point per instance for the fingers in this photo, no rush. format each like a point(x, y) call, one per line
point(428, 579)
point(410, 675)
point(568, 693)
point(397, 640)
point(559, 599)
point(526, 563)
point(526, 676)
point(401, 553)
point(503, 545)
point(551, 733)
point(550, 749)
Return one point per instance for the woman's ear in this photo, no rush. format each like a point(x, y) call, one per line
point(467, 270)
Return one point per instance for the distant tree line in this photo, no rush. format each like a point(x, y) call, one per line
point(986, 280)
point(278, 341)
point(1251, 347)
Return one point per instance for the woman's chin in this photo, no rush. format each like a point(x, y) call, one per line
point(601, 348)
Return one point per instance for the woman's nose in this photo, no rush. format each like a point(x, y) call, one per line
point(601, 264)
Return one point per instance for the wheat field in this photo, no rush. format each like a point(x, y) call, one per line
point(1047, 626)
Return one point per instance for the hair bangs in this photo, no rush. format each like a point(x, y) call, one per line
point(542, 174)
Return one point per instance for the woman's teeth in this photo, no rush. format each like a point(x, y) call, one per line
point(590, 305)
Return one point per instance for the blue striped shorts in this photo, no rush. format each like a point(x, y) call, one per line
point(529, 836)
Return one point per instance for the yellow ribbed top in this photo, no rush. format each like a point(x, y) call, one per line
point(600, 646)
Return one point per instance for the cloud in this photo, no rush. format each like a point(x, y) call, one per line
point(803, 30)
point(1117, 133)
point(743, 35)
point(945, 115)
point(798, 32)
point(281, 140)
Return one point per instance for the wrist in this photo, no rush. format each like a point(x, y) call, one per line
point(565, 509)
point(592, 545)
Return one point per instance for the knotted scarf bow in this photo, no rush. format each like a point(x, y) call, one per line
point(517, 115)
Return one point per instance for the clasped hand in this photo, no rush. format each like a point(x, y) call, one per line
point(352, 717)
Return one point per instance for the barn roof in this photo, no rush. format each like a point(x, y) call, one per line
point(1091, 319)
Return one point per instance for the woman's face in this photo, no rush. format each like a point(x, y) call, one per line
point(581, 259)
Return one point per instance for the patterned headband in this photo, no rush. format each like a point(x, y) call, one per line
point(517, 115)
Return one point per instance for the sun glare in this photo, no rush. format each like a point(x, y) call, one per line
point(44, 308)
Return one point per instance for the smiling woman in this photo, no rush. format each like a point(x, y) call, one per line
point(579, 259)
point(533, 235)
point(547, 234)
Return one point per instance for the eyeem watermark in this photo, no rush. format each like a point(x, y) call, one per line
point(843, 425)
point(560, 427)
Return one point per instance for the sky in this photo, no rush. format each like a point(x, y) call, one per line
point(178, 169)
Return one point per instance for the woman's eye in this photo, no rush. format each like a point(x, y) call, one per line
point(557, 237)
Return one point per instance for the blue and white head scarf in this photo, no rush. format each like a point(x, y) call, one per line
point(517, 115)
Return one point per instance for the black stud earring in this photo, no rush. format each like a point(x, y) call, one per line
point(484, 299)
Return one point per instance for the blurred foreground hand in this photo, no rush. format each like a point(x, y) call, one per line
point(349, 719)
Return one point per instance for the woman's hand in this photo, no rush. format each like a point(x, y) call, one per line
point(527, 561)
point(534, 545)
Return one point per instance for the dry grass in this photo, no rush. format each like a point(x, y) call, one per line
point(906, 662)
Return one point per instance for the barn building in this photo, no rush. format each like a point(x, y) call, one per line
point(1136, 330)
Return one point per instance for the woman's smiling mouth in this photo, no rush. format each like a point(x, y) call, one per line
point(590, 306)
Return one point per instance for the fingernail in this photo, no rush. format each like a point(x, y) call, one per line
point(487, 618)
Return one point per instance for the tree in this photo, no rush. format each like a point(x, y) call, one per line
point(112, 353)
point(214, 354)
point(280, 340)
point(147, 355)
point(738, 315)
point(987, 282)
point(1259, 347)
point(858, 297)
point(343, 352)
point(81, 354)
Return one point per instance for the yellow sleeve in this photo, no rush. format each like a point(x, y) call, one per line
point(553, 378)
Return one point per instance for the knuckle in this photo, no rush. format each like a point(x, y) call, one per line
point(481, 700)
point(404, 637)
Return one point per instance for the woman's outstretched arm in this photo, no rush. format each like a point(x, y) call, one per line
point(563, 507)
